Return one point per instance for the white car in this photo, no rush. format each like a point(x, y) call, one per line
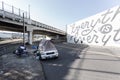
point(46, 50)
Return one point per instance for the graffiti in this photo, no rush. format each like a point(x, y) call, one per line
point(107, 28)
point(76, 40)
point(86, 25)
point(73, 28)
point(82, 26)
point(104, 20)
point(93, 25)
point(83, 38)
point(98, 30)
point(71, 38)
point(86, 32)
point(116, 35)
point(90, 39)
point(116, 13)
point(105, 41)
point(95, 31)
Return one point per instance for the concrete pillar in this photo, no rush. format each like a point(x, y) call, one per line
point(30, 33)
point(57, 36)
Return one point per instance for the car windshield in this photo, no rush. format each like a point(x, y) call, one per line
point(46, 45)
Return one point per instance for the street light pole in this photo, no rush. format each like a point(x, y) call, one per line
point(66, 28)
point(29, 10)
point(23, 30)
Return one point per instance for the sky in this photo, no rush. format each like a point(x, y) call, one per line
point(59, 13)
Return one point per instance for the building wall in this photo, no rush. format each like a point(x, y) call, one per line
point(102, 29)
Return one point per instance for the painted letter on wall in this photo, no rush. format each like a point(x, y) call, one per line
point(101, 29)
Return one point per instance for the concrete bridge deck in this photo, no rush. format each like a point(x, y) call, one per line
point(20, 22)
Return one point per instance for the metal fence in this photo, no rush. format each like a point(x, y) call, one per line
point(13, 10)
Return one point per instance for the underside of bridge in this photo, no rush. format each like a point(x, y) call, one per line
point(8, 26)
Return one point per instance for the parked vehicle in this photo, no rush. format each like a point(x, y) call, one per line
point(46, 50)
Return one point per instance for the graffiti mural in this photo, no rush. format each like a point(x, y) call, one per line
point(100, 29)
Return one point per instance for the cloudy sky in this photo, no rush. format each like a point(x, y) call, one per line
point(59, 13)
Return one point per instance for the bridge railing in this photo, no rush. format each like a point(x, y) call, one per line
point(13, 10)
point(14, 13)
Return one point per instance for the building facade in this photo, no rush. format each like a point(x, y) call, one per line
point(102, 29)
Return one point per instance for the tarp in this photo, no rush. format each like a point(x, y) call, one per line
point(46, 45)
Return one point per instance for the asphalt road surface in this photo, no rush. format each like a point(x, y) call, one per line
point(13, 67)
point(82, 62)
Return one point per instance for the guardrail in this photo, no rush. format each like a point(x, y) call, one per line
point(13, 10)
point(13, 13)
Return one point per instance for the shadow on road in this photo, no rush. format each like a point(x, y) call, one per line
point(82, 62)
point(58, 69)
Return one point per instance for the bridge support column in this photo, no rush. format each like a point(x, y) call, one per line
point(30, 34)
point(57, 36)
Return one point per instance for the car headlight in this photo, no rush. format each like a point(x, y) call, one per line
point(56, 51)
point(42, 53)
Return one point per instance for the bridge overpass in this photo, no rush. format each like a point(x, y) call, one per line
point(12, 20)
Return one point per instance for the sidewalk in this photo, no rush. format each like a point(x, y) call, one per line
point(114, 50)
point(94, 63)
point(100, 63)
point(23, 68)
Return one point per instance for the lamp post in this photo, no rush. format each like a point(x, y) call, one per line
point(66, 29)
point(29, 10)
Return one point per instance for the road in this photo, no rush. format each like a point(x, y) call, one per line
point(13, 67)
point(82, 62)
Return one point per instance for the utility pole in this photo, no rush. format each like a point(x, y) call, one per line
point(23, 30)
point(66, 28)
point(29, 10)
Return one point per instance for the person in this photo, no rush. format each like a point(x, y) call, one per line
point(21, 50)
point(37, 54)
point(81, 41)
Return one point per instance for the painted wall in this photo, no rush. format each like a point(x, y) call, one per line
point(101, 29)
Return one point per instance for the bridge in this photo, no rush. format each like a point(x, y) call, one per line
point(15, 19)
